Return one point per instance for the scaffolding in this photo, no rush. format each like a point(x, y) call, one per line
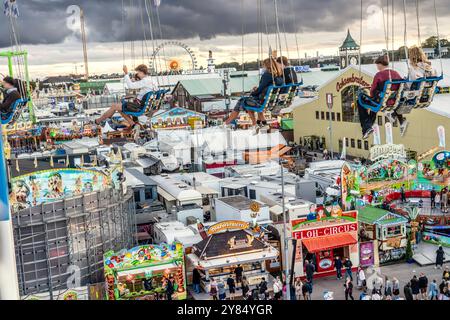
point(74, 232)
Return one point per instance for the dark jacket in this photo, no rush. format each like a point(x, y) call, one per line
point(11, 96)
point(170, 289)
point(415, 286)
point(230, 283)
point(196, 276)
point(338, 263)
point(310, 269)
point(290, 76)
point(266, 81)
point(423, 282)
point(408, 293)
point(440, 256)
point(348, 264)
point(262, 286)
point(238, 271)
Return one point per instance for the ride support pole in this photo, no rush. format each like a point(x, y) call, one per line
point(9, 286)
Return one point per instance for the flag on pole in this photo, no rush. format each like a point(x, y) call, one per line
point(389, 136)
point(376, 135)
point(10, 8)
point(344, 149)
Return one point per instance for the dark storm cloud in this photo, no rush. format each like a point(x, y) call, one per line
point(44, 21)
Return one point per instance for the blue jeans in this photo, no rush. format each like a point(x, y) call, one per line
point(348, 273)
point(196, 287)
point(339, 273)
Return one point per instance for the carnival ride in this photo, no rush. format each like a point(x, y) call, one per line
point(402, 96)
point(172, 57)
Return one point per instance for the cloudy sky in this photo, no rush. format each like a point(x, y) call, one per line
point(49, 29)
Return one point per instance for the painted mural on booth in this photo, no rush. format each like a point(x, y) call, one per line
point(52, 185)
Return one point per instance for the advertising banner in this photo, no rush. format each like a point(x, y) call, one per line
point(366, 254)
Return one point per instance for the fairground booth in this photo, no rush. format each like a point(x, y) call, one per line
point(326, 232)
point(227, 244)
point(383, 234)
point(143, 272)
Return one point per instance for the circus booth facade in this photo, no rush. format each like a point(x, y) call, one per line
point(226, 245)
point(143, 272)
point(322, 235)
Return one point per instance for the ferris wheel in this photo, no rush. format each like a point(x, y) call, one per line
point(172, 57)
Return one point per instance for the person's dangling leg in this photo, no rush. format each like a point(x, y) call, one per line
point(116, 107)
point(232, 117)
point(251, 114)
point(128, 119)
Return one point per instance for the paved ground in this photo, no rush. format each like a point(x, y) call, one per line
point(403, 272)
point(425, 253)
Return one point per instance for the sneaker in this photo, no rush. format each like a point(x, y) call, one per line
point(403, 127)
point(367, 134)
point(255, 130)
point(390, 118)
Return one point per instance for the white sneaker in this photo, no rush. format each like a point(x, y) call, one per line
point(390, 118)
point(255, 130)
point(403, 127)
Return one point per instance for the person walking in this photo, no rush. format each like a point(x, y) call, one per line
point(440, 257)
point(221, 290)
point(231, 286)
point(338, 267)
point(238, 273)
point(196, 279)
point(213, 290)
point(423, 286)
point(298, 288)
point(432, 198)
point(277, 288)
point(407, 291)
point(170, 288)
point(387, 289)
point(307, 290)
point(263, 288)
point(446, 274)
point(245, 286)
point(310, 269)
point(444, 200)
point(433, 291)
point(348, 289)
point(361, 279)
point(348, 268)
point(402, 193)
point(395, 288)
point(415, 288)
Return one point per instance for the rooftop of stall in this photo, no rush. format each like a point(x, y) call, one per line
point(219, 254)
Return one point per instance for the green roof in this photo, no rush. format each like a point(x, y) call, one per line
point(214, 86)
point(372, 215)
point(349, 42)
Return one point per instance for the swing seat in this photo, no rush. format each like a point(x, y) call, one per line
point(277, 98)
point(409, 95)
point(16, 110)
point(153, 102)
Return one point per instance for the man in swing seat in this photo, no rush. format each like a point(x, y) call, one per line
point(11, 95)
point(384, 74)
point(272, 75)
point(132, 104)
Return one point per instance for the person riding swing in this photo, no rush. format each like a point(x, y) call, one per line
point(11, 95)
point(272, 75)
point(132, 104)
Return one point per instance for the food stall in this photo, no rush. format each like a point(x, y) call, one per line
point(326, 232)
point(227, 244)
point(388, 229)
point(142, 272)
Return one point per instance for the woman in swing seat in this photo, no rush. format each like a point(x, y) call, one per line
point(11, 95)
point(272, 75)
point(367, 117)
point(144, 83)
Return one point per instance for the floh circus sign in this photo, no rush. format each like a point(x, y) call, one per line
point(53, 185)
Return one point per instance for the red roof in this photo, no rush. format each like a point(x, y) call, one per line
point(328, 242)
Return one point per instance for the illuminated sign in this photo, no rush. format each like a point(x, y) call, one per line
point(387, 151)
point(351, 80)
point(226, 225)
point(326, 231)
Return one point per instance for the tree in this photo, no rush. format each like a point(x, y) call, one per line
point(409, 252)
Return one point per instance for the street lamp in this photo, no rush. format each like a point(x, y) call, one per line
point(286, 239)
